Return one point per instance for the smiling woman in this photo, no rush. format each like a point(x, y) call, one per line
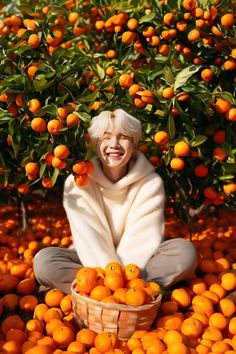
point(116, 135)
point(119, 215)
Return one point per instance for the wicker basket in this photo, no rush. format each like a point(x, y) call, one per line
point(120, 319)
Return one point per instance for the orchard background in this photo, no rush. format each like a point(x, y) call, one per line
point(172, 65)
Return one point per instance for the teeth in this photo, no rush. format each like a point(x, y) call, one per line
point(114, 154)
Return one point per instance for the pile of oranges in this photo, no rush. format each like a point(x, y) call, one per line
point(116, 284)
point(195, 317)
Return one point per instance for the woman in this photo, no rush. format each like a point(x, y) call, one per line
point(119, 215)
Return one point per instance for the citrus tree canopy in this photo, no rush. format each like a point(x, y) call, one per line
point(169, 63)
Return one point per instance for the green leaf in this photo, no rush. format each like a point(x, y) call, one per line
point(183, 76)
point(198, 140)
point(22, 49)
point(171, 126)
point(55, 175)
point(100, 71)
point(160, 58)
point(49, 109)
point(168, 75)
point(227, 96)
point(89, 98)
point(42, 169)
point(154, 73)
point(147, 18)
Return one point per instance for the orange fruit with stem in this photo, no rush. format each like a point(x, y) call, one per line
point(28, 303)
point(12, 321)
point(61, 151)
point(113, 267)
point(125, 80)
point(81, 180)
point(34, 105)
point(135, 297)
point(177, 164)
point(54, 126)
point(227, 20)
point(131, 271)
point(191, 328)
point(39, 125)
point(39, 311)
point(222, 105)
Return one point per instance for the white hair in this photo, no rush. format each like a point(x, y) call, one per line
point(119, 119)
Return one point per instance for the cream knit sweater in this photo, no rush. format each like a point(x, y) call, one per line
point(120, 221)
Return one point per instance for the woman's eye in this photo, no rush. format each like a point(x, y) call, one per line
point(124, 137)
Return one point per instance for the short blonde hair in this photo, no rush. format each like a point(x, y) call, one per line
point(119, 118)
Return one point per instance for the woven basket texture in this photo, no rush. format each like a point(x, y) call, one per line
point(120, 319)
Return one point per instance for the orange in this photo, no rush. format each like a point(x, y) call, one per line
point(12, 347)
point(168, 308)
point(34, 105)
point(218, 320)
point(228, 281)
point(12, 321)
point(131, 271)
point(120, 295)
point(86, 278)
point(39, 349)
point(194, 35)
point(168, 93)
point(62, 112)
point(134, 343)
point(172, 337)
point(133, 89)
point(222, 105)
point(63, 336)
point(66, 304)
point(58, 163)
point(178, 347)
point(32, 168)
point(31, 71)
point(231, 115)
point(207, 75)
point(81, 180)
point(219, 136)
point(181, 297)
point(39, 125)
point(72, 120)
point(169, 18)
point(156, 346)
point(229, 188)
point(10, 302)
point(227, 307)
point(218, 289)
point(232, 325)
point(18, 335)
point(177, 164)
point(100, 292)
point(132, 24)
point(61, 151)
point(202, 304)
point(28, 303)
point(189, 5)
point(202, 317)
point(111, 54)
point(47, 182)
point(76, 347)
point(211, 296)
point(110, 299)
point(136, 282)
point(39, 311)
point(182, 148)
point(26, 286)
point(105, 341)
point(227, 20)
point(191, 327)
point(135, 297)
point(80, 168)
point(53, 297)
point(125, 80)
point(52, 324)
point(212, 334)
point(113, 267)
point(35, 325)
point(113, 280)
point(86, 336)
point(220, 347)
point(54, 126)
point(53, 312)
point(128, 37)
point(197, 285)
point(161, 137)
point(219, 153)
point(34, 40)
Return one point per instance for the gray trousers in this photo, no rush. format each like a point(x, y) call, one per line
point(175, 260)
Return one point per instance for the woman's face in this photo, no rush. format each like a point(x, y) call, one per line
point(114, 150)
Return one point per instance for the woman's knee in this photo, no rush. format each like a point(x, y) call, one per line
point(43, 263)
point(187, 253)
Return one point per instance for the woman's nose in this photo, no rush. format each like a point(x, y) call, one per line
point(114, 141)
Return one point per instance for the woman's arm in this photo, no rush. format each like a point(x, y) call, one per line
point(144, 230)
point(91, 235)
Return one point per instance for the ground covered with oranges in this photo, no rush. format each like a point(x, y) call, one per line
point(197, 316)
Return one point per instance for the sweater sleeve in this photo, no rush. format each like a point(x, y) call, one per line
point(92, 240)
point(144, 229)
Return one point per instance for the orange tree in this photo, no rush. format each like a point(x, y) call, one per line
point(169, 63)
